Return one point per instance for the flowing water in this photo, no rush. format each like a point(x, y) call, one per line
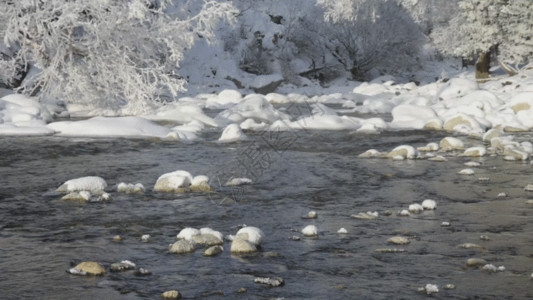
point(41, 236)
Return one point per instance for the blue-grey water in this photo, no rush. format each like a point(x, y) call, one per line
point(41, 236)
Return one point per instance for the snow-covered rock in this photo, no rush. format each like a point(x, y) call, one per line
point(174, 182)
point(412, 116)
point(403, 152)
point(251, 234)
point(451, 144)
point(130, 188)
point(457, 87)
point(224, 99)
point(310, 230)
point(232, 133)
point(93, 184)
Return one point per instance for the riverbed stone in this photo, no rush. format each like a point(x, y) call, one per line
point(207, 239)
point(203, 187)
point(91, 268)
point(274, 281)
point(213, 250)
point(240, 246)
point(451, 144)
point(181, 247)
point(122, 266)
point(475, 262)
point(398, 240)
point(369, 215)
point(78, 197)
point(171, 295)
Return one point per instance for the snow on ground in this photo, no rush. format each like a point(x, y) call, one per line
point(459, 105)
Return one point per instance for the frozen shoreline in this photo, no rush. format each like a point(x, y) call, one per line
point(460, 106)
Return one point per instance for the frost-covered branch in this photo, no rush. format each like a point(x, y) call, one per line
point(117, 54)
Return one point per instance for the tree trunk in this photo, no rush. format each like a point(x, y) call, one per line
point(483, 66)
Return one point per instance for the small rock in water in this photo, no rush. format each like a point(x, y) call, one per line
point(431, 289)
point(475, 262)
point(102, 197)
point(438, 158)
point(171, 295)
point(466, 172)
point(502, 195)
point(142, 272)
point(493, 268)
point(238, 181)
point(129, 188)
point(213, 250)
point(88, 268)
point(472, 164)
point(390, 250)
point(404, 213)
point(387, 213)
point(484, 238)
point(445, 224)
point(398, 240)
point(428, 147)
point(117, 238)
point(342, 231)
point(310, 215)
point(369, 215)
point(470, 246)
point(181, 247)
point(241, 246)
point(429, 204)
point(449, 286)
point(274, 282)
point(294, 238)
point(251, 234)
point(187, 233)
point(80, 197)
point(207, 239)
point(242, 290)
point(122, 266)
point(483, 179)
point(416, 208)
point(529, 188)
point(145, 238)
point(310, 230)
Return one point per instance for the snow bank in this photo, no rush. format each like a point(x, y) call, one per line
point(102, 126)
point(182, 113)
point(22, 115)
point(413, 117)
point(224, 99)
point(255, 107)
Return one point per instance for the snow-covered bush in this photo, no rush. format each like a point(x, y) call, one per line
point(112, 53)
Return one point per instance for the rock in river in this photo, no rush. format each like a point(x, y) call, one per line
point(88, 268)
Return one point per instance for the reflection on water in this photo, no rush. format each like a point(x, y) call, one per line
point(41, 237)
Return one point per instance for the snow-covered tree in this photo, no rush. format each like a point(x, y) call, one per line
point(368, 34)
point(110, 53)
point(479, 27)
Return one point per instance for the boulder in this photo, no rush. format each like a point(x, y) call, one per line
point(90, 268)
point(181, 247)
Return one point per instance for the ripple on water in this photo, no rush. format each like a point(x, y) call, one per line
point(41, 237)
